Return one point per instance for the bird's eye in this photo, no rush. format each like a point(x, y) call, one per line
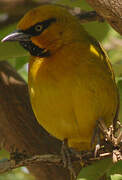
point(38, 27)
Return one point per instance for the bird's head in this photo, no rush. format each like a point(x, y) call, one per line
point(44, 29)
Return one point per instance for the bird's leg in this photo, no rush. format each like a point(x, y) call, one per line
point(96, 138)
point(64, 152)
point(66, 156)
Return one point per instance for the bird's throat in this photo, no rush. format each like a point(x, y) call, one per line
point(34, 49)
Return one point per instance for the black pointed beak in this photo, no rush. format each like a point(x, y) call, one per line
point(17, 35)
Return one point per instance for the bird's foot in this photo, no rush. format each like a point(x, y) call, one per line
point(113, 137)
point(66, 157)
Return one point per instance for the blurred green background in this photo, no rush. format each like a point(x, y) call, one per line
point(18, 58)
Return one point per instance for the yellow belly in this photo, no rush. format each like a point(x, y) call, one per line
point(68, 96)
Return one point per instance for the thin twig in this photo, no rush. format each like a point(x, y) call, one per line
point(110, 149)
point(89, 16)
point(7, 165)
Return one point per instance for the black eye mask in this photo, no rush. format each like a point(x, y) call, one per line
point(45, 24)
point(30, 46)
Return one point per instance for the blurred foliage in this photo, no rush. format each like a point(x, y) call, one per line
point(18, 58)
point(17, 174)
point(95, 171)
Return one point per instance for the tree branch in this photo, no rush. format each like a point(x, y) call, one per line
point(86, 16)
point(7, 165)
point(110, 10)
point(51, 159)
point(111, 149)
point(19, 128)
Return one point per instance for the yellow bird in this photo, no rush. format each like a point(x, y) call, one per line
point(71, 81)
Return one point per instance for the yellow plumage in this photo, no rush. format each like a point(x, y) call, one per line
point(74, 86)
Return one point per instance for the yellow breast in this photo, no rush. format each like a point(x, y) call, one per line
point(70, 92)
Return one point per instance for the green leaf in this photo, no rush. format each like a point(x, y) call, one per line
point(118, 69)
point(115, 173)
point(95, 171)
point(11, 50)
point(20, 62)
point(116, 168)
point(119, 84)
point(23, 72)
point(4, 154)
point(116, 177)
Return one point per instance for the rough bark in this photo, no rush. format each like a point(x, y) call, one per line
point(19, 128)
point(110, 10)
